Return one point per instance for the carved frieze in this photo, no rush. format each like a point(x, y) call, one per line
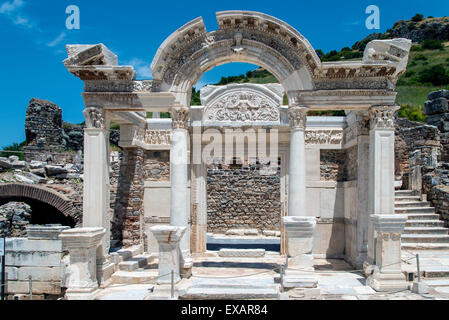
point(122, 86)
point(94, 118)
point(315, 137)
point(152, 137)
point(382, 117)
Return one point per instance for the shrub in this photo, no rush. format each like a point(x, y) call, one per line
point(420, 57)
point(14, 147)
point(416, 47)
point(413, 113)
point(432, 44)
point(437, 75)
point(418, 17)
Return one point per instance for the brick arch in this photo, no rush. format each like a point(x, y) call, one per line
point(50, 197)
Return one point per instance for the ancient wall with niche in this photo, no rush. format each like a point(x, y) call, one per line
point(243, 196)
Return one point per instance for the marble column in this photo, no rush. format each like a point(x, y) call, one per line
point(387, 274)
point(179, 202)
point(297, 170)
point(82, 244)
point(381, 167)
point(300, 271)
point(168, 238)
point(96, 203)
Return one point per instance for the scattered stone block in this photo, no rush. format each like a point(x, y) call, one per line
point(22, 179)
point(438, 94)
point(436, 106)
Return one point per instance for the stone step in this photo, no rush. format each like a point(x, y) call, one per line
point(128, 253)
point(415, 210)
point(406, 193)
point(230, 289)
point(411, 204)
point(422, 216)
point(407, 198)
point(242, 253)
point(425, 246)
point(424, 223)
point(135, 262)
point(425, 230)
point(443, 282)
point(425, 238)
point(135, 277)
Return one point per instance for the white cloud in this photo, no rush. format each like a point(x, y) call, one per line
point(142, 67)
point(9, 7)
point(57, 40)
point(12, 11)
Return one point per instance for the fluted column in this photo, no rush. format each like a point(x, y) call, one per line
point(179, 205)
point(96, 174)
point(381, 167)
point(297, 170)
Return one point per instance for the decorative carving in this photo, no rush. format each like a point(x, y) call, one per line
point(121, 86)
point(158, 137)
point(94, 118)
point(314, 137)
point(180, 117)
point(297, 117)
point(382, 117)
point(243, 106)
point(153, 137)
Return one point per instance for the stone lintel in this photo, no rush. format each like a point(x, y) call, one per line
point(45, 232)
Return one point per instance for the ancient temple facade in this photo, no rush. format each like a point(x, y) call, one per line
point(249, 157)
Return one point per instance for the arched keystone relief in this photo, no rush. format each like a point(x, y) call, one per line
point(242, 104)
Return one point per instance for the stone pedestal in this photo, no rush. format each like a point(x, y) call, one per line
point(82, 244)
point(387, 274)
point(179, 202)
point(300, 272)
point(168, 238)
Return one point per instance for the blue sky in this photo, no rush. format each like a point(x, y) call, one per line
point(33, 38)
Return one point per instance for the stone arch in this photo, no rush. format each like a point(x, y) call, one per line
point(50, 197)
point(243, 36)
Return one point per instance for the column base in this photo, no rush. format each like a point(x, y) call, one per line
point(387, 282)
point(300, 279)
point(81, 293)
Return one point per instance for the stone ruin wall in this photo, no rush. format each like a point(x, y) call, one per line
point(339, 165)
point(243, 196)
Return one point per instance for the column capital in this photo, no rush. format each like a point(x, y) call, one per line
point(297, 116)
point(180, 117)
point(94, 118)
point(382, 117)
